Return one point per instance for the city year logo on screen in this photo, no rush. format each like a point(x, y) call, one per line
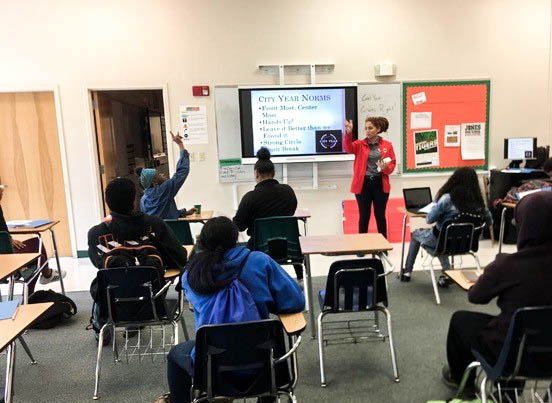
point(329, 141)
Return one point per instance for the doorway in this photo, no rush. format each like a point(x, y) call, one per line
point(130, 133)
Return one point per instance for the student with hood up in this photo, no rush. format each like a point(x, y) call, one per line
point(518, 280)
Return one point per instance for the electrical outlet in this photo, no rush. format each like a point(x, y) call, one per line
point(201, 156)
point(192, 157)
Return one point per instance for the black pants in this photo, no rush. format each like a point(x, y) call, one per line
point(372, 192)
point(463, 333)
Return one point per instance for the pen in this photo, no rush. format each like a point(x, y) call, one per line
point(15, 313)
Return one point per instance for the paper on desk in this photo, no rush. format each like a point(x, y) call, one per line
point(420, 120)
point(18, 223)
point(521, 195)
point(8, 308)
point(427, 208)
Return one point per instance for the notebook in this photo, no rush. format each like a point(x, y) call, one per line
point(8, 309)
point(416, 198)
point(27, 223)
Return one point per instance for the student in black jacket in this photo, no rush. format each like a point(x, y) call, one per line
point(517, 280)
point(269, 198)
point(127, 225)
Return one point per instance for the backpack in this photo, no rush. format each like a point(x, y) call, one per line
point(63, 309)
point(233, 303)
point(126, 256)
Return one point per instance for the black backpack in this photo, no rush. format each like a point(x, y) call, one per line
point(63, 308)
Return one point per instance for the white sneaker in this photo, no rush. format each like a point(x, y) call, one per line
point(53, 277)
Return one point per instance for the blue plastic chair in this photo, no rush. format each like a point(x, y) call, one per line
point(356, 285)
point(525, 355)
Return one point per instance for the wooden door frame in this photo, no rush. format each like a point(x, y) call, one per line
point(93, 144)
point(62, 151)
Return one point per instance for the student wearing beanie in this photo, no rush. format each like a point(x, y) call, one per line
point(159, 192)
point(269, 198)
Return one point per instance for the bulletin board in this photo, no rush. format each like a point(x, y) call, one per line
point(445, 125)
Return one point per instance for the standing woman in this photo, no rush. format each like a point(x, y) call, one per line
point(374, 162)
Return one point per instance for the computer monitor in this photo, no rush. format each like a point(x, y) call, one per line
point(520, 148)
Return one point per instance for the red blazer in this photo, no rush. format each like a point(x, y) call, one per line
point(361, 150)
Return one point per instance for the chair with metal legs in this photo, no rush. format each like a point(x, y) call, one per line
point(132, 299)
point(354, 286)
point(525, 361)
point(244, 360)
point(457, 237)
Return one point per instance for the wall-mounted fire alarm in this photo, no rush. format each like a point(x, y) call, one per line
point(200, 90)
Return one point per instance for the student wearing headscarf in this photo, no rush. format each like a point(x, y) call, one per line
point(159, 192)
point(518, 280)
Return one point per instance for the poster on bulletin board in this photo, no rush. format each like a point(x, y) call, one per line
point(445, 125)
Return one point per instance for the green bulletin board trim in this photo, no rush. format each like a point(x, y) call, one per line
point(409, 84)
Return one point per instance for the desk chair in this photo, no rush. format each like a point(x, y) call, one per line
point(354, 286)
point(134, 298)
point(244, 360)
point(278, 237)
point(181, 230)
point(459, 236)
point(25, 276)
point(526, 356)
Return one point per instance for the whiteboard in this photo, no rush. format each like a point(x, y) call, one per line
point(375, 99)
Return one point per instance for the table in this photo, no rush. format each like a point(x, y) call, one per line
point(458, 277)
point(303, 214)
point(407, 214)
point(10, 263)
point(38, 232)
point(505, 206)
point(200, 218)
point(337, 245)
point(10, 330)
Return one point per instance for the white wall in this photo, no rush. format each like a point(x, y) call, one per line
point(105, 43)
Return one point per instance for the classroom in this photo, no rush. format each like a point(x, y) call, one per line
point(91, 91)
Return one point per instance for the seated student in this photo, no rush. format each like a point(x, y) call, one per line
point(126, 224)
point(533, 184)
point(211, 269)
point(460, 194)
point(159, 192)
point(518, 280)
point(269, 198)
point(30, 246)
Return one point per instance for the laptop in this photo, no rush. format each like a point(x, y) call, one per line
point(416, 198)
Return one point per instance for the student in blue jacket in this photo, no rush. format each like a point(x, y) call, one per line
point(211, 269)
point(159, 192)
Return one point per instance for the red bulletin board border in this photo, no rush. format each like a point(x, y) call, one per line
point(451, 103)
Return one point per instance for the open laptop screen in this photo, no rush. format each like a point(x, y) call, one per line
point(416, 198)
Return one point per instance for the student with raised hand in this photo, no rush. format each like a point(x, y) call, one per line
point(269, 199)
point(517, 280)
point(374, 162)
point(159, 192)
point(459, 194)
point(211, 269)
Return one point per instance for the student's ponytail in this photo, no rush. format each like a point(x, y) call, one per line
point(217, 236)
